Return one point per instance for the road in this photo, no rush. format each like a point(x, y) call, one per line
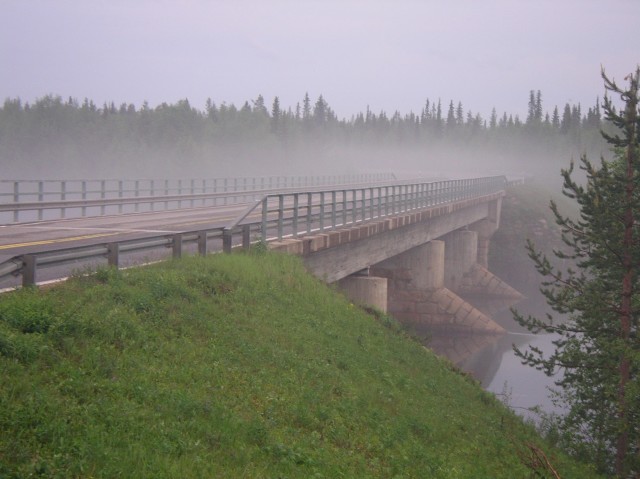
point(40, 236)
point(24, 238)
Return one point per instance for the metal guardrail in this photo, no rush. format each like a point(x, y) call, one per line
point(38, 196)
point(279, 216)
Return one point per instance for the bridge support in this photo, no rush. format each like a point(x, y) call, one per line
point(418, 292)
point(365, 291)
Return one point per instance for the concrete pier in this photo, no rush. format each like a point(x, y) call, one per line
point(365, 291)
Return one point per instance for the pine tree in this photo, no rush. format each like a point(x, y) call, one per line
point(493, 122)
point(451, 117)
point(276, 115)
point(306, 107)
point(459, 114)
point(555, 120)
point(598, 348)
point(531, 111)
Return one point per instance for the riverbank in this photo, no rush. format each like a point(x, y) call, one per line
point(238, 366)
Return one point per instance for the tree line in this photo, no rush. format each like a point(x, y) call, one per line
point(53, 132)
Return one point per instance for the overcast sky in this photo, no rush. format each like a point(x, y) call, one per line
point(390, 55)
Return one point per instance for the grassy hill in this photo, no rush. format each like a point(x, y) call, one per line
point(238, 366)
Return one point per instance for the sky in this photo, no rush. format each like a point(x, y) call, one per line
point(385, 55)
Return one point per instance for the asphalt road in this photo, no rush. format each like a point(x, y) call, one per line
point(23, 238)
point(40, 236)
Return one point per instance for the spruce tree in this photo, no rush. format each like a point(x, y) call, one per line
point(598, 350)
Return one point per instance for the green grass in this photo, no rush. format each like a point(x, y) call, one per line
point(236, 366)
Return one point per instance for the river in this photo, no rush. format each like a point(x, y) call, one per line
point(491, 360)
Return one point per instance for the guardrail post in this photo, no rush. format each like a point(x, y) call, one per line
point(16, 199)
point(177, 245)
point(152, 192)
point(322, 211)
point(344, 207)
point(103, 194)
point(40, 197)
point(295, 215)
point(30, 262)
point(120, 192)
point(246, 237)
point(137, 193)
point(309, 211)
point(263, 226)
point(202, 243)
point(333, 209)
point(113, 254)
point(227, 236)
point(84, 197)
point(63, 196)
point(280, 216)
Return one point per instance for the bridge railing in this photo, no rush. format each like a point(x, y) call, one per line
point(303, 213)
point(274, 216)
point(31, 199)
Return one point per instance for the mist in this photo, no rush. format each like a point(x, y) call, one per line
point(54, 138)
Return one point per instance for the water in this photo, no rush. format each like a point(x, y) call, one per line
point(491, 360)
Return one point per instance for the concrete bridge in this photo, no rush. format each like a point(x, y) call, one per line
point(417, 250)
point(422, 266)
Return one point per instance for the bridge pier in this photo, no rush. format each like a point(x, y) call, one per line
point(423, 285)
point(366, 290)
point(418, 292)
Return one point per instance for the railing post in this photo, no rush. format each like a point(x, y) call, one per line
point(102, 196)
point(344, 207)
point(113, 254)
point(309, 211)
point(84, 197)
point(177, 245)
point(280, 216)
point(63, 196)
point(16, 199)
point(263, 226)
point(152, 192)
point(120, 196)
point(227, 237)
point(137, 186)
point(386, 201)
point(202, 243)
point(295, 215)
point(333, 209)
point(322, 211)
point(166, 193)
point(40, 197)
point(246, 237)
point(370, 203)
point(30, 262)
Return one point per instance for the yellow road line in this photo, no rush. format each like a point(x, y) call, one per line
point(60, 240)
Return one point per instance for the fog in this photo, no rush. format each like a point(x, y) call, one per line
point(55, 138)
point(123, 89)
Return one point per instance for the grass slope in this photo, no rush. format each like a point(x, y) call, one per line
point(236, 366)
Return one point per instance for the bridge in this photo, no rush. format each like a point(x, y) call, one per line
point(413, 249)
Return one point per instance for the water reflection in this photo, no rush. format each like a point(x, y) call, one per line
point(491, 359)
